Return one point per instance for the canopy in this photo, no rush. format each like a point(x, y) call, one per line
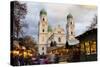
point(73, 42)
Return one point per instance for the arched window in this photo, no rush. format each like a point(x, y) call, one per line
point(43, 30)
point(43, 53)
point(42, 48)
point(51, 44)
point(59, 39)
point(43, 19)
point(71, 33)
point(71, 23)
point(55, 43)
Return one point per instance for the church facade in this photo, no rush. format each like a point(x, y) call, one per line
point(56, 37)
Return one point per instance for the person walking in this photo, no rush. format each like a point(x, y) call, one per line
point(56, 58)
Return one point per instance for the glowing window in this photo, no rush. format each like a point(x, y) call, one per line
point(59, 39)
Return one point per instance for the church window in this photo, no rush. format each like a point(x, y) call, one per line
point(71, 22)
point(42, 48)
point(43, 30)
point(71, 33)
point(59, 39)
point(43, 19)
point(51, 44)
point(43, 53)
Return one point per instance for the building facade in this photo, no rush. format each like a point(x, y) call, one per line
point(56, 37)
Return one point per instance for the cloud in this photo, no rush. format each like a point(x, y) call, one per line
point(57, 14)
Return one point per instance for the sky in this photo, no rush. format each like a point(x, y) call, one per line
point(57, 15)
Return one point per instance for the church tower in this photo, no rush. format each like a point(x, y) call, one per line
point(70, 27)
point(43, 32)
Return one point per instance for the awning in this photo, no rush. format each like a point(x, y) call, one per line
point(73, 42)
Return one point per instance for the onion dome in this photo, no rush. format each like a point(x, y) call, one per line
point(69, 16)
point(43, 12)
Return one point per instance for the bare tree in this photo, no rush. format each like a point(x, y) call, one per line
point(94, 23)
point(19, 10)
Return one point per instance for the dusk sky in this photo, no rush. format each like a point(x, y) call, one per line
point(57, 13)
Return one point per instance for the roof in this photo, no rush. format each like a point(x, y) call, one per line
point(88, 34)
point(69, 16)
point(73, 42)
point(43, 12)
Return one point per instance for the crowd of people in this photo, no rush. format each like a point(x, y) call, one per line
point(35, 60)
point(27, 57)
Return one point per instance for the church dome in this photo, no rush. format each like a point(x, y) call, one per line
point(69, 16)
point(43, 12)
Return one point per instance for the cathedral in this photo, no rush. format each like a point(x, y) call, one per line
point(56, 37)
